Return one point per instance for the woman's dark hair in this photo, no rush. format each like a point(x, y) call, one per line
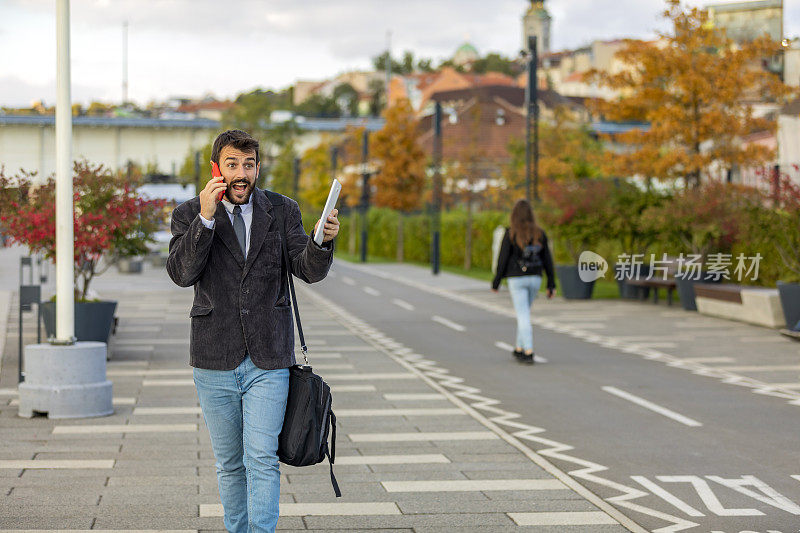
point(241, 140)
point(523, 229)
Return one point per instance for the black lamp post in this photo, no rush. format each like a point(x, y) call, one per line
point(364, 195)
point(532, 108)
point(437, 189)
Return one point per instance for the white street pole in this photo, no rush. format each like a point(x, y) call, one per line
point(65, 295)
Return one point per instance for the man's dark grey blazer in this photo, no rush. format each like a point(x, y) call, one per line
point(242, 307)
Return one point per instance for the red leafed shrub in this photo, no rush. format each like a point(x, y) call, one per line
point(576, 212)
point(110, 219)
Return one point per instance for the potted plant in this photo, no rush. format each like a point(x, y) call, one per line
point(784, 227)
point(699, 221)
point(110, 221)
point(574, 210)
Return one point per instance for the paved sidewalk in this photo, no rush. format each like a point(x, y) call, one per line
point(410, 455)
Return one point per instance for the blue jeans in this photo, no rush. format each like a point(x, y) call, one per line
point(523, 291)
point(243, 409)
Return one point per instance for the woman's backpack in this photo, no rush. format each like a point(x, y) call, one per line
point(530, 259)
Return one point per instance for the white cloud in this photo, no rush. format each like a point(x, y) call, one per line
point(191, 47)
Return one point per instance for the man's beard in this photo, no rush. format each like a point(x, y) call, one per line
point(248, 191)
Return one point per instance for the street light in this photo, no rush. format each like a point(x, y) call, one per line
point(437, 188)
point(532, 108)
point(364, 194)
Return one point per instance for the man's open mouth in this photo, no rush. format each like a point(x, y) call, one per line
point(239, 187)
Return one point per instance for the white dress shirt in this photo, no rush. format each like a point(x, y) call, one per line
point(247, 215)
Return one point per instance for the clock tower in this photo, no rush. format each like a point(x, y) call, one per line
point(536, 22)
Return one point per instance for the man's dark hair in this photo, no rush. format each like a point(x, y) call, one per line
point(241, 140)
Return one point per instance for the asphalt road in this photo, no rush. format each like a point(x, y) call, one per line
point(671, 450)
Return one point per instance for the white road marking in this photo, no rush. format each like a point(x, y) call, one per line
point(405, 305)
point(56, 464)
point(667, 496)
point(653, 407)
point(8, 392)
point(707, 360)
point(163, 372)
point(765, 494)
point(795, 476)
point(347, 280)
point(760, 368)
point(561, 518)
point(411, 396)
point(371, 291)
point(420, 437)
point(167, 411)
point(342, 366)
point(366, 376)
point(318, 509)
point(167, 382)
point(124, 428)
point(450, 324)
point(116, 401)
point(472, 485)
point(353, 388)
point(508, 348)
point(710, 500)
point(428, 411)
point(391, 459)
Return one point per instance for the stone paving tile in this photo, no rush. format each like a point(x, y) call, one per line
point(442, 520)
point(46, 522)
point(127, 522)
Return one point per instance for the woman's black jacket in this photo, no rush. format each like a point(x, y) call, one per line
point(510, 260)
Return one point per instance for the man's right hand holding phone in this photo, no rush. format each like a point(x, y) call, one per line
point(211, 195)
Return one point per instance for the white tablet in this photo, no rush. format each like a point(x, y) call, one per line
point(330, 203)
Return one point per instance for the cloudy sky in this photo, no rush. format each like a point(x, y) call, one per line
point(193, 47)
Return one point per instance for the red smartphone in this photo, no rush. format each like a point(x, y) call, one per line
point(215, 173)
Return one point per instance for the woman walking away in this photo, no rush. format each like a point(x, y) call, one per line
point(523, 255)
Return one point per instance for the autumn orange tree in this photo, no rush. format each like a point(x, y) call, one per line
point(401, 181)
point(694, 87)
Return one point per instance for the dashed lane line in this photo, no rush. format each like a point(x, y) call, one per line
point(448, 323)
point(371, 291)
point(403, 304)
point(685, 420)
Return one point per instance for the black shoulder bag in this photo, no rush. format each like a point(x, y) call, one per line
point(309, 418)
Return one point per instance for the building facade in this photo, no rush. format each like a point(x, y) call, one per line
point(536, 22)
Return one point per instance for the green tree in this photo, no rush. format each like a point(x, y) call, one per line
point(346, 97)
point(281, 178)
point(318, 105)
point(401, 180)
point(495, 62)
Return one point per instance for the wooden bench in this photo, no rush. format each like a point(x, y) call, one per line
point(669, 284)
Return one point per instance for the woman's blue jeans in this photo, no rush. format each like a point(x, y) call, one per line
point(243, 409)
point(523, 291)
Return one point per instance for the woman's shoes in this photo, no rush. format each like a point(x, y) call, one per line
point(522, 357)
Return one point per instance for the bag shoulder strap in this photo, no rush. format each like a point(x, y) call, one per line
point(277, 202)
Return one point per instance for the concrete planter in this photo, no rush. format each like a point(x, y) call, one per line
point(65, 381)
point(572, 287)
point(93, 320)
point(130, 265)
point(685, 287)
point(790, 302)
